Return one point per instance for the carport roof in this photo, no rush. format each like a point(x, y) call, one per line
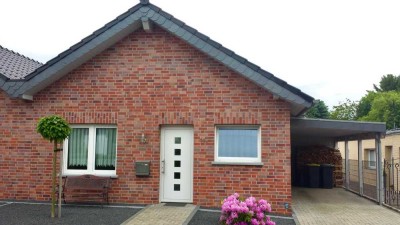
point(337, 129)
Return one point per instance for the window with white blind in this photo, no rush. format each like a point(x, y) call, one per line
point(91, 149)
point(371, 158)
point(238, 144)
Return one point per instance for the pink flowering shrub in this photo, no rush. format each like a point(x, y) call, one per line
point(247, 212)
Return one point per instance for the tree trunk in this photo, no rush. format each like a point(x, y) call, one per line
point(53, 189)
point(60, 184)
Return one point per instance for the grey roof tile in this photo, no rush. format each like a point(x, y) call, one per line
point(252, 66)
point(189, 29)
point(155, 17)
point(16, 66)
point(239, 58)
point(214, 52)
point(227, 60)
point(200, 44)
point(155, 8)
point(180, 32)
point(161, 20)
point(202, 36)
point(174, 28)
point(177, 22)
point(2, 80)
point(187, 36)
point(227, 51)
point(193, 40)
point(165, 14)
point(221, 56)
point(241, 68)
point(264, 73)
point(144, 9)
point(214, 44)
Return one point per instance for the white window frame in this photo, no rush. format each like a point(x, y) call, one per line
point(371, 151)
point(91, 154)
point(240, 160)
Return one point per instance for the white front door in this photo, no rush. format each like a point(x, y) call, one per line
point(176, 166)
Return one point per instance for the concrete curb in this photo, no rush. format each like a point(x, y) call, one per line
point(126, 222)
point(189, 218)
point(296, 220)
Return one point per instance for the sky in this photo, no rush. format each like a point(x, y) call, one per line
point(331, 50)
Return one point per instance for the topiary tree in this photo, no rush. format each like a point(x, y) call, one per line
point(55, 129)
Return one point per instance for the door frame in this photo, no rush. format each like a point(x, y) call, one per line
point(162, 152)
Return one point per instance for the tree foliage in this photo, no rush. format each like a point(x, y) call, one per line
point(387, 83)
point(381, 105)
point(365, 104)
point(53, 128)
point(318, 110)
point(385, 107)
point(344, 111)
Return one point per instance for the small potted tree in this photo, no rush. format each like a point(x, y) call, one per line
point(56, 130)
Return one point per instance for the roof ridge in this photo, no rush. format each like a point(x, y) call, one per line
point(19, 54)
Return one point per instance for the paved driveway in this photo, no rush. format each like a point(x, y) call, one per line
point(338, 206)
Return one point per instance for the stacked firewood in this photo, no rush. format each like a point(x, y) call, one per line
point(320, 155)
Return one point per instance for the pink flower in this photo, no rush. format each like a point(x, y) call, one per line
point(229, 220)
point(237, 212)
point(270, 222)
point(254, 221)
point(269, 207)
point(234, 215)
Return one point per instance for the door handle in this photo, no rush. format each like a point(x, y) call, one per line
point(163, 166)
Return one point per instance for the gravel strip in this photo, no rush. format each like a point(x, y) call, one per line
point(39, 214)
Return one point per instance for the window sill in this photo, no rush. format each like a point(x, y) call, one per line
point(239, 163)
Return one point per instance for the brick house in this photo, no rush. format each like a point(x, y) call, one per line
point(147, 87)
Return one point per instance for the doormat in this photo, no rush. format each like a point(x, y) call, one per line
point(175, 204)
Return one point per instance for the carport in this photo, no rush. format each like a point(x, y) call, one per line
point(311, 132)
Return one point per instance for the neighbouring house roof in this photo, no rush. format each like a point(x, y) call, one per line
point(144, 15)
point(16, 66)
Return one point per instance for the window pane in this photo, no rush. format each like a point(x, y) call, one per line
point(372, 158)
point(106, 143)
point(78, 148)
point(237, 143)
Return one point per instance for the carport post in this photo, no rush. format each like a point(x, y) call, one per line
point(379, 172)
point(360, 168)
point(347, 163)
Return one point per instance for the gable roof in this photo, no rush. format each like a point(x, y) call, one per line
point(16, 66)
point(134, 19)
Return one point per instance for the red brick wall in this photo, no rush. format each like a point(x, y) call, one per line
point(144, 81)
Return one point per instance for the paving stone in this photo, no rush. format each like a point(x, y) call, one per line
point(162, 215)
point(338, 206)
